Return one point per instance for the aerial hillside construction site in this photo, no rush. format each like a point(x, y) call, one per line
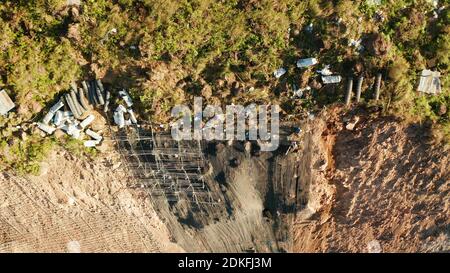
point(354, 157)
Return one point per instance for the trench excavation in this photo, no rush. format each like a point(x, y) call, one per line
point(217, 196)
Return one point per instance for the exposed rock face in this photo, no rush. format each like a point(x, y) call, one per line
point(391, 191)
point(73, 33)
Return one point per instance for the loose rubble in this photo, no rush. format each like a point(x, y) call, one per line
point(279, 72)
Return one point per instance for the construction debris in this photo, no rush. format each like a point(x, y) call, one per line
point(94, 135)
point(78, 101)
point(348, 94)
point(90, 143)
point(118, 116)
point(6, 104)
point(61, 117)
point(351, 124)
point(119, 113)
point(108, 97)
point(87, 121)
point(302, 63)
point(279, 72)
point(46, 128)
point(52, 112)
point(99, 91)
point(309, 28)
point(429, 82)
point(132, 116)
point(356, 44)
point(126, 98)
point(378, 86)
point(325, 71)
point(299, 92)
point(72, 130)
point(331, 79)
point(359, 88)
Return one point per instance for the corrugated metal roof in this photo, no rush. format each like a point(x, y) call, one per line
point(6, 104)
point(429, 82)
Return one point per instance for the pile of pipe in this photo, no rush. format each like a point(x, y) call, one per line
point(124, 116)
point(67, 114)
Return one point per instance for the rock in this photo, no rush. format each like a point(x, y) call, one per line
point(236, 88)
point(315, 84)
point(73, 247)
point(26, 126)
point(98, 72)
point(36, 107)
point(351, 125)
point(374, 247)
point(376, 44)
point(206, 91)
point(221, 83)
point(442, 109)
point(230, 77)
point(225, 92)
point(73, 33)
point(235, 162)
point(35, 131)
point(75, 13)
point(43, 168)
point(358, 68)
point(71, 201)
point(59, 134)
point(248, 148)
point(24, 136)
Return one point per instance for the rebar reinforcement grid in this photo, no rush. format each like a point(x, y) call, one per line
point(163, 167)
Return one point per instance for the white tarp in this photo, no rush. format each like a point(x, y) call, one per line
point(429, 82)
point(6, 104)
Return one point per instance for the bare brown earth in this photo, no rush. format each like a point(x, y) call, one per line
point(356, 184)
point(77, 206)
point(385, 186)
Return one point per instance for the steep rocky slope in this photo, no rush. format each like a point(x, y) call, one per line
point(390, 188)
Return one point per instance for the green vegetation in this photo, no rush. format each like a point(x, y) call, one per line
point(168, 51)
point(24, 156)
